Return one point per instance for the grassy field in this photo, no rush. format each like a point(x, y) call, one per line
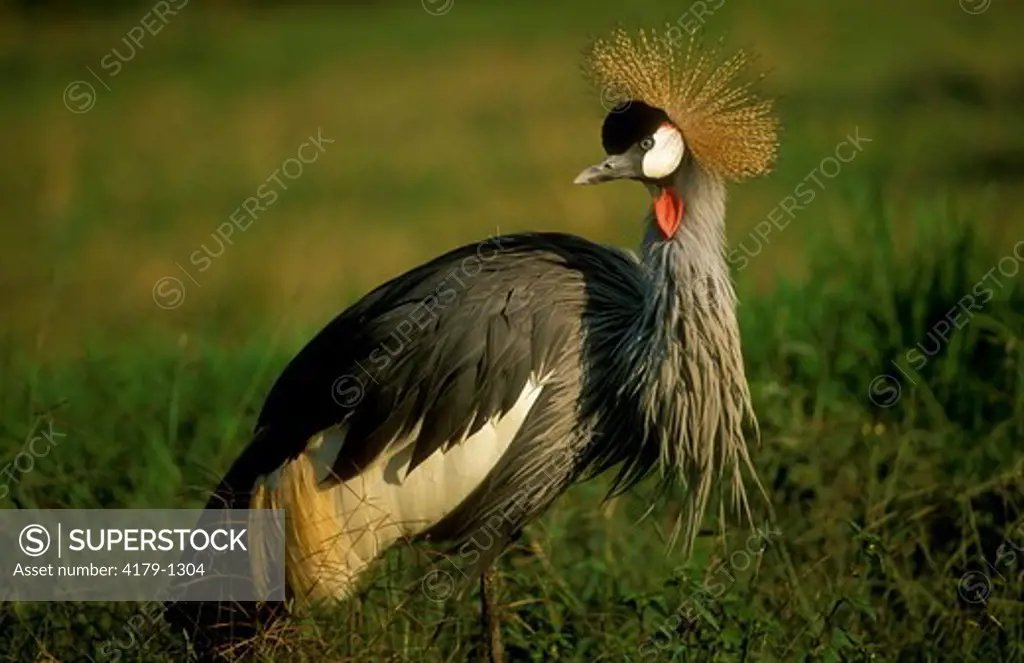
point(892, 425)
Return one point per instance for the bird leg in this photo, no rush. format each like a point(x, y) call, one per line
point(490, 618)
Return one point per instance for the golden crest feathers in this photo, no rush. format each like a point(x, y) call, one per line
point(731, 131)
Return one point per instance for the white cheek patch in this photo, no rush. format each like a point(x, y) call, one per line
point(666, 155)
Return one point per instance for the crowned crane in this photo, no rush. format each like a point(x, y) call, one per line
point(473, 390)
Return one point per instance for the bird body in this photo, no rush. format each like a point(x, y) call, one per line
point(464, 396)
point(554, 354)
point(453, 421)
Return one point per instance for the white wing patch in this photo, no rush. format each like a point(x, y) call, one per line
point(386, 501)
point(444, 480)
point(666, 155)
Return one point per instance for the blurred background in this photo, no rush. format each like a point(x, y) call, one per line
point(133, 131)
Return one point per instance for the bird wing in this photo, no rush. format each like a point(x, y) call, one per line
point(442, 349)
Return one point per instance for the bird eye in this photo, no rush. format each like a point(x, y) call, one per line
point(647, 143)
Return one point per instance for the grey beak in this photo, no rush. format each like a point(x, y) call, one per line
point(615, 167)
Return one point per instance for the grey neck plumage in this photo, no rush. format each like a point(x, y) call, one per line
point(692, 384)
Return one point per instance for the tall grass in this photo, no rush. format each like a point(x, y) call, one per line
point(881, 511)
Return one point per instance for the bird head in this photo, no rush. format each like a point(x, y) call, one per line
point(642, 143)
point(681, 111)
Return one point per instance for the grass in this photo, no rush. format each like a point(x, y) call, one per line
point(895, 499)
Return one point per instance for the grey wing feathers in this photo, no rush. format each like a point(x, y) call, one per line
point(453, 370)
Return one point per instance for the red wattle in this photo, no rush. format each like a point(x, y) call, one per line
point(668, 210)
